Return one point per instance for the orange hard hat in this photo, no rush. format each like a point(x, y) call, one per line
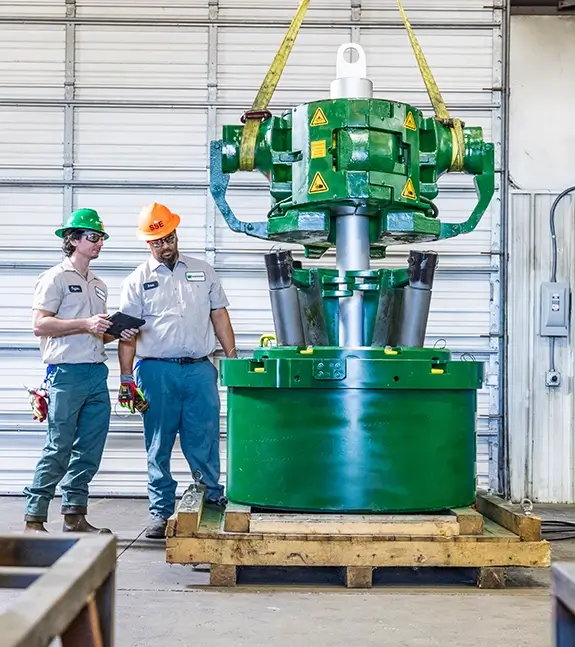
point(156, 221)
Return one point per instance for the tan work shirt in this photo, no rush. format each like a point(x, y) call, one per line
point(176, 307)
point(69, 295)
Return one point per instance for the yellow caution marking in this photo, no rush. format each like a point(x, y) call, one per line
point(437, 371)
point(259, 369)
point(318, 184)
point(410, 121)
point(409, 190)
point(318, 149)
point(319, 118)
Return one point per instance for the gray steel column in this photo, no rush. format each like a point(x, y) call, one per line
point(69, 95)
point(211, 215)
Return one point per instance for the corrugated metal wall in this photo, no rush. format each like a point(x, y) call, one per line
point(541, 419)
point(112, 103)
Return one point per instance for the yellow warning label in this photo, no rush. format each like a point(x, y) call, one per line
point(318, 184)
point(318, 149)
point(410, 121)
point(319, 118)
point(409, 191)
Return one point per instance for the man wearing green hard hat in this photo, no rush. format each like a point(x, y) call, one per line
point(70, 317)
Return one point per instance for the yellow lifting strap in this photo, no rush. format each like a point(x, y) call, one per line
point(253, 117)
point(441, 113)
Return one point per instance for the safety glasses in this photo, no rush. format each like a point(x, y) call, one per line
point(93, 236)
point(167, 240)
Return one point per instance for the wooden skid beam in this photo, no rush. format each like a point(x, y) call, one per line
point(237, 518)
point(326, 524)
point(527, 527)
point(189, 513)
point(470, 521)
point(364, 551)
point(359, 577)
point(491, 578)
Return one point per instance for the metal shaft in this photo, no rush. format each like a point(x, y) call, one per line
point(352, 229)
point(352, 253)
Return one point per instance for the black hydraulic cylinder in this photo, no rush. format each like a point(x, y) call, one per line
point(284, 298)
point(417, 299)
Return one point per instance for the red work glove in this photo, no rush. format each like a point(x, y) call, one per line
point(130, 396)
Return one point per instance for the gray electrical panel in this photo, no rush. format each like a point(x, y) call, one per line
point(555, 307)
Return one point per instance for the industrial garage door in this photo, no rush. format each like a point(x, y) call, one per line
point(112, 103)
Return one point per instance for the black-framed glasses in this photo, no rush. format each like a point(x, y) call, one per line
point(93, 236)
point(167, 240)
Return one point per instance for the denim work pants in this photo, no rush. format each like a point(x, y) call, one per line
point(183, 398)
point(78, 422)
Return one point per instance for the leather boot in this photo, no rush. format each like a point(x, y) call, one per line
point(78, 523)
point(34, 526)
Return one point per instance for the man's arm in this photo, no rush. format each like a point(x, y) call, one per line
point(46, 324)
point(126, 354)
point(224, 331)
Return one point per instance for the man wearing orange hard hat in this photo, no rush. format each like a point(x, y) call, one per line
point(185, 309)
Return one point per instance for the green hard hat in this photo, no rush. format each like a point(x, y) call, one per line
point(83, 219)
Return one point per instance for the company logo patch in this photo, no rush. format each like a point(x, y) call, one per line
point(75, 288)
point(151, 285)
point(195, 276)
point(100, 293)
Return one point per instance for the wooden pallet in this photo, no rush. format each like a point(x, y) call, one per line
point(489, 537)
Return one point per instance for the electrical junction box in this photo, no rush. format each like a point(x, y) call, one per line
point(555, 306)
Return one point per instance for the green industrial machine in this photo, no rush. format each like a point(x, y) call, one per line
point(349, 412)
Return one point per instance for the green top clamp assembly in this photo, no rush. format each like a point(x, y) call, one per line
point(349, 412)
point(367, 156)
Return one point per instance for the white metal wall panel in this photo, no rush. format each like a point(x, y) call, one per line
point(31, 61)
point(32, 8)
point(541, 420)
point(31, 142)
point(452, 12)
point(122, 102)
point(322, 10)
point(142, 9)
point(141, 63)
point(130, 144)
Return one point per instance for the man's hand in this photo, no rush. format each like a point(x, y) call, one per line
point(129, 334)
point(98, 324)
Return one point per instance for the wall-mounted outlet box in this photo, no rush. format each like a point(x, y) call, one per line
point(555, 307)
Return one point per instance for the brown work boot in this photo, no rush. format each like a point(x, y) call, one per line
point(78, 523)
point(34, 526)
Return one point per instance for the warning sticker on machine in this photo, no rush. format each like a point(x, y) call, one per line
point(410, 121)
point(409, 191)
point(318, 149)
point(319, 118)
point(318, 184)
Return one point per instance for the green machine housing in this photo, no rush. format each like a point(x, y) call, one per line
point(349, 412)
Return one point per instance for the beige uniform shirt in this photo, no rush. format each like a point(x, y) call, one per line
point(65, 292)
point(176, 307)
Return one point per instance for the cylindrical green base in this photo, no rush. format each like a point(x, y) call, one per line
point(393, 434)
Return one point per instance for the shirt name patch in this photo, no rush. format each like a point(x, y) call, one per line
point(195, 276)
point(100, 293)
point(151, 285)
point(75, 288)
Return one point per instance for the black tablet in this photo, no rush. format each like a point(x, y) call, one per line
point(121, 322)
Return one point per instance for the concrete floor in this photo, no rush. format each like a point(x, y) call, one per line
point(159, 604)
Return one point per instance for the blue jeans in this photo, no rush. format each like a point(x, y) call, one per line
point(185, 399)
point(78, 422)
